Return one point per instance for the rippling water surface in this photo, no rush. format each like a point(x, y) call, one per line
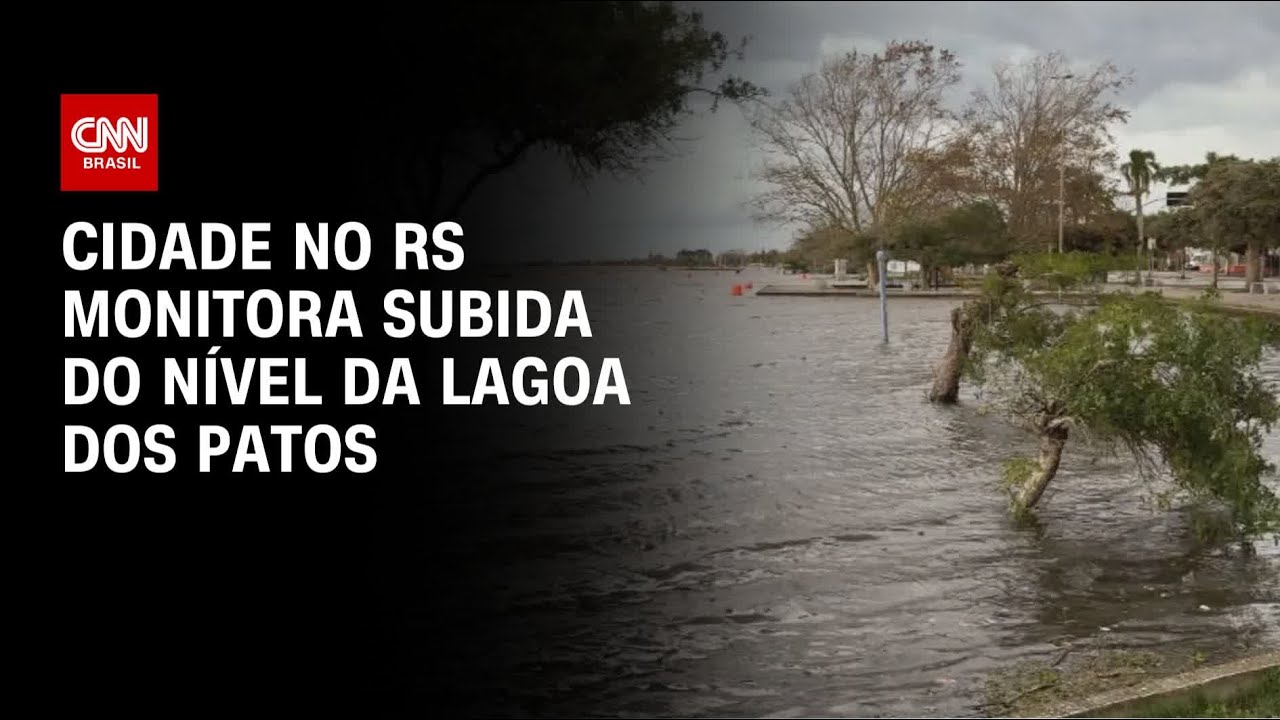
point(790, 528)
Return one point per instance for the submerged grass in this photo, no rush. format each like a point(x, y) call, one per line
point(1040, 688)
point(1030, 688)
point(1261, 702)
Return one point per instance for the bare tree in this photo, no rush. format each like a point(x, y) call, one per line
point(842, 148)
point(1036, 119)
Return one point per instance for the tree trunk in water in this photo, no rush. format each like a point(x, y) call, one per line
point(1052, 440)
point(946, 376)
point(1252, 265)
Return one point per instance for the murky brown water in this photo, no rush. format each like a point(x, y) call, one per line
point(791, 529)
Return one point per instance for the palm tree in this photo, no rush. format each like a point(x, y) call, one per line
point(1139, 172)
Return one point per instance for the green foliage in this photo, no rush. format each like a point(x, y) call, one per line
point(1111, 231)
point(1016, 470)
point(695, 258)
point(1014, 473)
point(973, 233)
point(1141, 169)
point(1175, 386)
point(816, 248)
point(1175, 229)
point(1064, 271)
point(1186, 174)
point(797, 266)
point(1239, 200)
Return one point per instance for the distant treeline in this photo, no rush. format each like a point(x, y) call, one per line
point(685, 258)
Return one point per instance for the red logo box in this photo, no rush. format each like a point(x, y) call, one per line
point(109, 143)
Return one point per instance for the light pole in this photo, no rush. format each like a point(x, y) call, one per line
point(1062, 176)
point(881, 261)
point(1149, 244)
point(1062, 199)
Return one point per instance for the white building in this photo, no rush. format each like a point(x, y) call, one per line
point(901, 267)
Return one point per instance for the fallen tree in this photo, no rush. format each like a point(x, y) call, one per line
point(946, 377)
point(1015, 286)
point(997, 291)
point(1177, 388)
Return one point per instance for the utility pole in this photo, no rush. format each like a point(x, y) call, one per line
point(881, 261)
point(1062, 173)
point(1062, 198)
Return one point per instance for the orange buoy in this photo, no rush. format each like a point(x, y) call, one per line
point(737, 290)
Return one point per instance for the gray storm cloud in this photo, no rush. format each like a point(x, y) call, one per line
point(1206, 77)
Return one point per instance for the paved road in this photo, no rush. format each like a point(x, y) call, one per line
point(1168, 284)
point(1232, 297)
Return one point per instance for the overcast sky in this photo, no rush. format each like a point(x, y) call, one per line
point(1206, 77)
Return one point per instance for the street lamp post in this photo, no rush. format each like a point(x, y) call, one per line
point(1062, 199)
point(1062, 177)
point(882, 258)
point(1150, 245)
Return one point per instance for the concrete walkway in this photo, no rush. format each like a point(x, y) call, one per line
point(1269, 304)
point(1265, 303)
point(1218, 683)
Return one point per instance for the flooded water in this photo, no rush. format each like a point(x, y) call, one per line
point(791, 529)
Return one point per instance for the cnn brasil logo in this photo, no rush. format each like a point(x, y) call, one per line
point(109, 143)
